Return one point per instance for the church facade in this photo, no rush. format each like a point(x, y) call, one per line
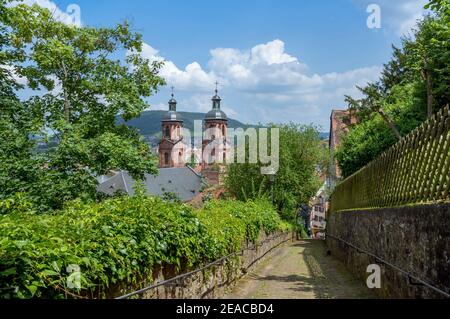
point(174, 149)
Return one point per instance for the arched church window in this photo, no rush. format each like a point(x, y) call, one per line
point(223, 130)
point(167, 133)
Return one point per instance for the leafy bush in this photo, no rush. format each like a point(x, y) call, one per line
point(370, 138)
point(118, 241)
point(301, 151)
point(230, 222)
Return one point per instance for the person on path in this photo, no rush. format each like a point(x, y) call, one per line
point(305, 213)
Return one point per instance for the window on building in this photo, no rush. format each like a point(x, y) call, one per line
point(166, 158)
point(223, 130)
point(224, 157)
point(167, 132)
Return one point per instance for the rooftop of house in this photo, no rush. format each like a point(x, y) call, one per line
point(184, 182)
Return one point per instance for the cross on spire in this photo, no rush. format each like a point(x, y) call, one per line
point(216, 83)
point(172, 102)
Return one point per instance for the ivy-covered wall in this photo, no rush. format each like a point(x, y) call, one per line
point(106, 249)
point(216, 281)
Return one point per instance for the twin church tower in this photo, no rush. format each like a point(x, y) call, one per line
point(174, 150)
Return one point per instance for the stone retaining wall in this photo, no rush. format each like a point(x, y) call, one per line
point(414, 238)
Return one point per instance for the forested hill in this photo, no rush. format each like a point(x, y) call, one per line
point(149, 123)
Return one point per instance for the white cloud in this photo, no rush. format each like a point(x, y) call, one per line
point(271, 53)
point(412, 11)
point(14, 75)
point(192, 77)
point(72, 15)
point(262, 84)
point(398, 15)
point(157, 106)
point(196, 103)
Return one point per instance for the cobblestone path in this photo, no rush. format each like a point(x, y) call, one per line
point(302, 270)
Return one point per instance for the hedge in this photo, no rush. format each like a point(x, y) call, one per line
point(119, 241)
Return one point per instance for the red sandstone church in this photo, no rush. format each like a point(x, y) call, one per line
point(174, 175)
point(174, 149)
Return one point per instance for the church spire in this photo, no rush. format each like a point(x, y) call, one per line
point(172, 102)
point(216, 99)
point(172, 115)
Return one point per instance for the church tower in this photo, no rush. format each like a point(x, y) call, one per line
point(171, 148)
point(215, 144)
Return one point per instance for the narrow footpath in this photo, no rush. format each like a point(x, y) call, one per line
point(302, 270)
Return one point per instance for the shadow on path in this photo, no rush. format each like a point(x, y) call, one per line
point(302, 270)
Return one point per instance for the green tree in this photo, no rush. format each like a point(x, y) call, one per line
point(84, 85)
point(372, 103)
point(414, 85)
point(16, 165)
point(428, 56)
point(371, 137)
point(296, 181)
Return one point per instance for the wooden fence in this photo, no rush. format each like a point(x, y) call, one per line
point(415, 170)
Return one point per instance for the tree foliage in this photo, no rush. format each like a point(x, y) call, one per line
point(301, 152)
point(414, 85)
point(80, 85)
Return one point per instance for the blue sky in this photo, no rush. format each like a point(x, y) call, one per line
point(277, 61)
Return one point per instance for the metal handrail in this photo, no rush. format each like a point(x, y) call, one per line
point(382, 261)
point(219, 261)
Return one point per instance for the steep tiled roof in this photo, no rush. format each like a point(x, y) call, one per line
point(184, 182)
